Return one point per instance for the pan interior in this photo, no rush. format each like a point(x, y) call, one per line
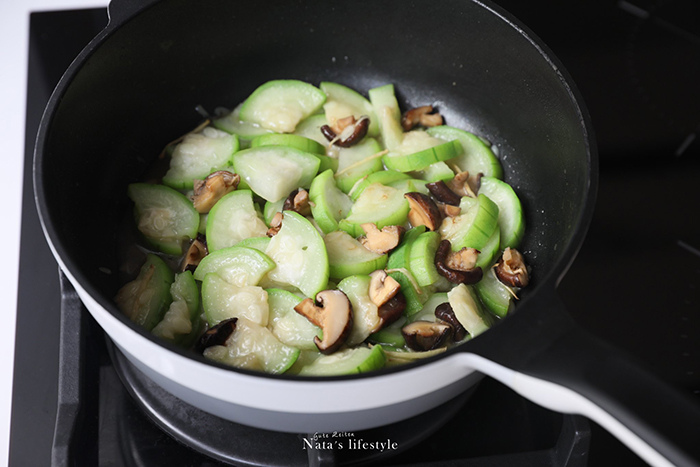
point(139, 89)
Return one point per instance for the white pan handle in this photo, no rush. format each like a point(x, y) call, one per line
point(553, 362)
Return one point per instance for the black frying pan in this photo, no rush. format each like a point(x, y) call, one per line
point(136, 86)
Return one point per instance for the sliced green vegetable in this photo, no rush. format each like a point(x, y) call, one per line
point(418, 151)
point(198, 155)
point(357, 162)
point(498, 298)
point(473, 228)
point(468, 311)
point(301, 143)
point(397, 267)
point(378, 204)
point(364, 312)
point(237, 265)
point(232, 123)
point(511, 220)
point(222, 300)
point(343, 102)
point(286, 324)
point(421, 261)
point(386, 108)
point(346, 362)
point(280, 105)
point(328, 203)
point(177, 323)
point(475, 155)
point(146, 299)
point(165, 217)
point(385, 177)
point(232, 219)
point(300, 255)
point(254, 347)
point(272, 172)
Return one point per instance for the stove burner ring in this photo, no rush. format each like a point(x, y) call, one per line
point(238, 444)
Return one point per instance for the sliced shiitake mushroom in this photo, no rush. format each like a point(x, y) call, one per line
point(210, 190)
point(423, 210)
point(426, 335)
point(216, 335)
point(443, 193)
point(457, 267)
point(381, 241)
point(298, 201)
point(422, 115)
point(444, 312)
point(511, 269)
point(195, 253)
point(332, 312)
point(464, 184)
point(382, 287)
point(384, 291)
point(347, 131)
point(275, 224)
point(391, 311)
point(448, 210)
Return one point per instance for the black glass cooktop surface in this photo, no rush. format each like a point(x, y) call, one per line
point(635, 283)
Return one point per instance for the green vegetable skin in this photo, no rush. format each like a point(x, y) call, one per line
point(259, 279)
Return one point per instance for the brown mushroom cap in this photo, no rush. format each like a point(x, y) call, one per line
point(460, 272)
point(423, 211)
point(298, 201)
point(195, 253)
point(216, 335)
point(426, 335)
point(210, 190)
point(422, 115)
point(444, 312)
point(391, 310)
point(511, 269)
point(443, 193)
point(332, 312)
point(381, 241)
point(346, 131)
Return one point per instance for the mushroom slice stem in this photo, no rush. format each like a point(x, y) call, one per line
point(381, 241)
point(511, 269)
point(423, 211)
point(448, 210)
point(426, 335)
point(464, 184)
point(457, 267)
point(332, 312)
point(275, 224)
point(210, 190)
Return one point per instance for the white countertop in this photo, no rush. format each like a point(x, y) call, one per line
point(14, 45)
